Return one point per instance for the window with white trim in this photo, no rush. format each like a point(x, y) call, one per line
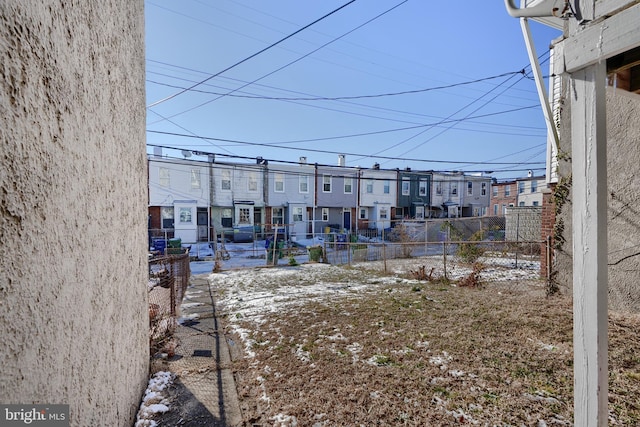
point(297, 214)
point(406, 186)
point(387, 187)
point(165, 177)
point(348, 185)
point(483, 189)
point(470, 188)
point(278, 183)
point(253, 182)
point(226, 179)
point(325, 214)
point(326, 183)
point(277, 216)
point(303, 184)
point(195, 179)
point(369, 186)
point(244, 216)
point(422, 188)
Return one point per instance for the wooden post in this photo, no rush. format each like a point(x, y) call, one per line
point(589, 163)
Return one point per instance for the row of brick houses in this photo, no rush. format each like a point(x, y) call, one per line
point(197, 198)
point(522, 192)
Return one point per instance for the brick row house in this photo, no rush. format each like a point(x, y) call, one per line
point(521, 192)
point(195, 198)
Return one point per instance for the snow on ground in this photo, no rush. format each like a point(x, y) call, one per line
point(154, 400)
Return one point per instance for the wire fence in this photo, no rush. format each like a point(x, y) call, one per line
point(168, 280)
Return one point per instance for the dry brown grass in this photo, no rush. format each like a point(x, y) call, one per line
point(428, 355)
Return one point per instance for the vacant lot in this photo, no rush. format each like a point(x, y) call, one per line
point(323, 346)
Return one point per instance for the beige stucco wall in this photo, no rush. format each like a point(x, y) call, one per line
point(73, 309)
point(623, 200)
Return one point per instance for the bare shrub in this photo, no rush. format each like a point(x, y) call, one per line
point(473, 279)
point(421, 273)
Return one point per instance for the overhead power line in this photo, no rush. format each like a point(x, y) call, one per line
point(340, 98)
point(328, 151)
point(252, 56)
point(294, 61)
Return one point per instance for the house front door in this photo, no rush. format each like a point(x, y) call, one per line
point(346, 219)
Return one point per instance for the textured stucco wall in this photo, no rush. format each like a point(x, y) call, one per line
point(73, 309)
point(623, 200)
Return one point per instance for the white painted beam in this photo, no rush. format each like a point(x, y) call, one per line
point(540, 86)
point(589, 197)
point(602, 39)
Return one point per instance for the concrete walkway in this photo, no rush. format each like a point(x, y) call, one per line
point(206, 391)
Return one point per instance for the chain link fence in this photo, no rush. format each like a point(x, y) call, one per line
point(168, 280)
point(455, 249)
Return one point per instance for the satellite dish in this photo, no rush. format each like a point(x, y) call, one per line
point(186, 153)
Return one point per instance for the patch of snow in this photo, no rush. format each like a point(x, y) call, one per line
point(282, 420)
point(154, 400)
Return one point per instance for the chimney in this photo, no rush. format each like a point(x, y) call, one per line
point(341, 160)
point(376, 166)
point(157, 151)
point(302, 160)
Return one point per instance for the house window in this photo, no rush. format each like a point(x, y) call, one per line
point(521, 187)
point(185, 216)
point(244, 216)
point(325, 214)
point(535, 203)
point(278, 183)
point(419, 212)
point(384, 213)
point(521, 204)
point(277, 216)
point(253, 182)
point(484, 189)
point(507, 190)
point(165, 178)
point(494, 189)
point(495, 209)
point(387, 187)
point(504, 209)
point(422, 188)
point(406, 187)
point(439, 188)
point(470, 188)
point(227, 218)
point(369, 186)
point(326, 183)
point(195, 179)
point(297, 214)
point(363, 213)
point(303, 184)
point(226, 179)
point(534, 186)
point(166, 213)
point(348, 185)
point(454, 188)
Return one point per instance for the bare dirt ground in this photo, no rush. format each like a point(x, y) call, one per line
point(332, 346)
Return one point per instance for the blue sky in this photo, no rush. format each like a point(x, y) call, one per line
point(368, 51)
